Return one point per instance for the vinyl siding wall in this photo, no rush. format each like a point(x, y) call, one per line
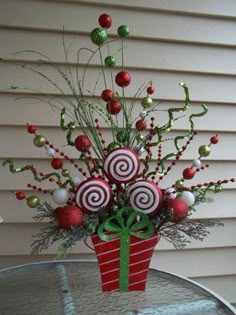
point(170, 41)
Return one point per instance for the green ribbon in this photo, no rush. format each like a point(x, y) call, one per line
point(125, 223)
point(70, 127)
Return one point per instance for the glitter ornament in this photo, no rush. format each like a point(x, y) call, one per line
point(121, 165)
point(110, 61)
point(33, 201)
point(113, 107)
point(204, 150)
point(105, 20)
point(150, 89)
point(123, 31)
point(188, 198)
point(39, 141)
point(188, 173)
point(145, 195)
point(31, 129)
point(20, 195)
point(179, 209)
point(98, 36)
point(68, 216)
point(60, 196)
point(107, 95)
point(123, 78)
point(141, 125)
point(94, 194)
point(56, 163)
point(147, 102)
point(82, 143)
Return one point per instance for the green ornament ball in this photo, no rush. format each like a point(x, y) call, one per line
point(110, 61)
point(33, 201)
point(39, 141)
point(147, 102)
point(139, 137)
point(65, 172)
point(204, 150)
point(98, 36)
point(122, 136)
point(113, 145)
point(179, 184)
point(123, 31)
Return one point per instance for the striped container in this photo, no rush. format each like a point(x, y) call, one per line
point(108, 256)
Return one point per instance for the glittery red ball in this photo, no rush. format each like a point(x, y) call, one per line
point(82, 143)
point(188, 173)
point(56, 163)
point(123, 78)
point(105, 20)
point(179, 209)
point(107, 95)
point(214, 139)
point(68, 216)
point(113, 107)
point(31, 129)
point(141, 125)
point(20, 195)
point(150, 89)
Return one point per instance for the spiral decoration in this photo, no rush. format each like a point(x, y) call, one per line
point(92, 194)
point(145, 195)
point(121, 165)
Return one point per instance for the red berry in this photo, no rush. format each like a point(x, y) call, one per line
point(113, 107)
point(123, 78)
point(105, 20)
point(68, 216)
point(20, 195)
point(179, 209)
point(150, 89)
point(141, 125)
point(188, 173)
point(82, 143)
point(31, 129)
point(214, 139)
point(107, 95)
point(56, 163)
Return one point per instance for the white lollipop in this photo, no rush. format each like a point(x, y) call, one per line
point(60, 196)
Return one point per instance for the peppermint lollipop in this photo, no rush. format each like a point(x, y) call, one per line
point(93, 194)
point(121, 165)
point(145, 195)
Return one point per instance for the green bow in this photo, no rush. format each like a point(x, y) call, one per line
point(125, 223)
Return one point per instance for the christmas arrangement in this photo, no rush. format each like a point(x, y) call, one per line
point(115, 194)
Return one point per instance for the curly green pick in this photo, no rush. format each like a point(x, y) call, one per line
point(70, 127)
point(12, 168)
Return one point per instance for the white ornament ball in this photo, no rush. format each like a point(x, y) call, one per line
point(188, 198)
point(76, 180)
point(197, 163)
point(170, 193)
point(60, 196)
point(143, 114)
point(50, 152)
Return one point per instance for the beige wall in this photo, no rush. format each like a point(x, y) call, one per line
point(170, 41)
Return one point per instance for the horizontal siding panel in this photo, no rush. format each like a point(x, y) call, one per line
point(19, 238)
point(17, 109)
point(80, 17)
point(58, 138)
point(203, 88)
point(148, 54)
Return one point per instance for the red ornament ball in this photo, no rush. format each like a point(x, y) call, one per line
point(188, 173)
point(82, 143)
point(68, 216)
point(141, 125)
point(105, 20)
point(56, 163)
point(31, 129)
point(214, 139)
point(114, 107)
point(20, 195)
point(123, 78)
point(150, 89)
point(107, 95)
point(179, 209)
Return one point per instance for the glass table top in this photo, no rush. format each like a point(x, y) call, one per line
point(73, 287)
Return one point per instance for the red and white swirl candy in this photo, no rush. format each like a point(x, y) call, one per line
point(145, 195)
point(93, 194)
point(121, 165)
